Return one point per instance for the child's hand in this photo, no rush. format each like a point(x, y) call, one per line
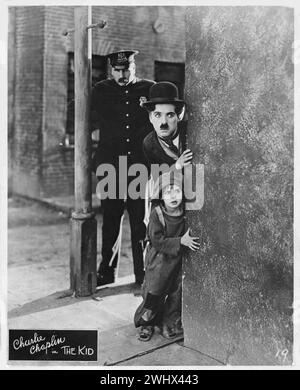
point(189, 241)
point(184, 159)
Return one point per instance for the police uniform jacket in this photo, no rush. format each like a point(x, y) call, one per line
point(123, 123)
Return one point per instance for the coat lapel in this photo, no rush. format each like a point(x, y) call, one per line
point(159, 152)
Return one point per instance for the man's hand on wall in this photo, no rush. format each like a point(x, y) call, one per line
point(184, 159)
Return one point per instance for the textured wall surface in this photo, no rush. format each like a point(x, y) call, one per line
point(11, 94)
point(238, 288)
point(28, 100)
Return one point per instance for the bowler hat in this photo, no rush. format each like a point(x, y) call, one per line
point(122, 57)
point(163, 92)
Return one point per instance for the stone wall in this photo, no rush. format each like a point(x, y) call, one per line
point(238, 289)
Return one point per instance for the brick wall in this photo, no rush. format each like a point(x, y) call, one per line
point(58, 163)
point(28, 102)
point(11, 93)
point(132, 27)
point(47, 56)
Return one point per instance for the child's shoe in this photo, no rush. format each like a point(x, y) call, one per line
point(146, 333)
point(178, 327)
point(168, 331)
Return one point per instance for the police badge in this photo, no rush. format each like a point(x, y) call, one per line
point(143, 99)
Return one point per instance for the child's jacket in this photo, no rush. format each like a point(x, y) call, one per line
point(163, 255)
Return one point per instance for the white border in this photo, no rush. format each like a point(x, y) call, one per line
point(4, 4)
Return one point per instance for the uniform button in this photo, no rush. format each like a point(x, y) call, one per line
point(127, 102)
point(127, 127)
point(126, 91)
point(127, 140)
point(127, 114)
point(129, 153)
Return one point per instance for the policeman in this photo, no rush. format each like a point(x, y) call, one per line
point(123, 124)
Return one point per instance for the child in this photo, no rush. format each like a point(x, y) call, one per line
point(162, 286)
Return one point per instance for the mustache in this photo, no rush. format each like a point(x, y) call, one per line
point(122, 80)
point(164, 127)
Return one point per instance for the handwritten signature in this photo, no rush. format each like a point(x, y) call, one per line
point(37, 343)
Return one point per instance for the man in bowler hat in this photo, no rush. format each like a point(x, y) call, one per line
point(165, 144)
point(123, 124)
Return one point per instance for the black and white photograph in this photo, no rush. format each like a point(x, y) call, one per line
point(149, 186)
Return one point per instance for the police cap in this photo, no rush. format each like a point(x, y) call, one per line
point(122, 57)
